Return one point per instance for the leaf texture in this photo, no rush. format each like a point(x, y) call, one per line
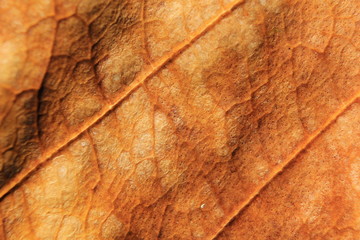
point(316, 197)
point(169, 119)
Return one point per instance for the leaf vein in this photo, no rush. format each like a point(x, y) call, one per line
point(33, 166)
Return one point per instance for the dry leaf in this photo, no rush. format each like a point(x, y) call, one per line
point(168, 119)
point(316, 196)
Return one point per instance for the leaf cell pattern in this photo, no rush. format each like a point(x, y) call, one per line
point(180, 119)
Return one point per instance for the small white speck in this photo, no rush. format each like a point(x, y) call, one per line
point(116, 78)
point(84, 143)
point(62, 171)
point(202, 206)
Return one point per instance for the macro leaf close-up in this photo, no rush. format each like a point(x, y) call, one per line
point(179, 119)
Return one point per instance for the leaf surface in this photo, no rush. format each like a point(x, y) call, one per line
point(316, 196)
point(164, 120)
